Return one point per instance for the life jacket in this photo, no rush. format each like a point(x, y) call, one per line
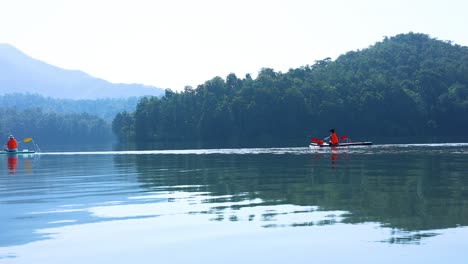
point(333, 138)
point(11, 144)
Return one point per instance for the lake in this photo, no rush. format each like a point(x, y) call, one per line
point(377, 204)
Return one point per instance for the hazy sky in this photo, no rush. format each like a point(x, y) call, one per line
point(173, 43)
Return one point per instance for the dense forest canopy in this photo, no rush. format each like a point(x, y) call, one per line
point(406, 85)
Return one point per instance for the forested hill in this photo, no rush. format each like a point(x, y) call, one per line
point(52, 120)
point(406, 85)
point(53, 128)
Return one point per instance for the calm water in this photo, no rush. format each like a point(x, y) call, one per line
point(379, 204)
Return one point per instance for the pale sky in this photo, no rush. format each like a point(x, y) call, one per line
point(174, 43)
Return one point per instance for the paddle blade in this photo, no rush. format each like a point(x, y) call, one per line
point(27, 139)
point(344, 137)
point(314, 140)
point(320, 142)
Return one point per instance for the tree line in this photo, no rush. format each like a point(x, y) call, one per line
point(51, 127)
point(406, 85)
point(53, 120)
point(105, 108)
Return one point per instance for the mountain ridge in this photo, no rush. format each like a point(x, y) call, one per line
point(24, 74)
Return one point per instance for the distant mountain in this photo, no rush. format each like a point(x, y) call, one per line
point(20, 73)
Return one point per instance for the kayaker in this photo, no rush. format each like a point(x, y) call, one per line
point(11, 144)
point(333, 138)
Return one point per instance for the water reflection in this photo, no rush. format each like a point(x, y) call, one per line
point(12, 163)
point(217, 208)
point(404, 192)
point(15, 162)
point(409, 194)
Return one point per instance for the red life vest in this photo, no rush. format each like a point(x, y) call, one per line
point(11, 144)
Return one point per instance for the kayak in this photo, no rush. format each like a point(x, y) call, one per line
point(18, 152)
point(344, 144)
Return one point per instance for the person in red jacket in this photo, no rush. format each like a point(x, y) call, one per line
point(333, 138)
point(11, 145)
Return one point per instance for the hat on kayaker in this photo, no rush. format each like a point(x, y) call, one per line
point(11, 136)
point(332, 130)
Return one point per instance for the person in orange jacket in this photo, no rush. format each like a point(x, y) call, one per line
point(11, 144)
point(333, 138)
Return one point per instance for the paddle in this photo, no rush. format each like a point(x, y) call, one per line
point(26, 140)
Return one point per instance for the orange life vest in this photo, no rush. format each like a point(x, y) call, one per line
point(333, 138)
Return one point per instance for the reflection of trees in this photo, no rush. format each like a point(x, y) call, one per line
point(403, 191)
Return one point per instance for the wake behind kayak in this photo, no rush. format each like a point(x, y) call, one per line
point(18, 152)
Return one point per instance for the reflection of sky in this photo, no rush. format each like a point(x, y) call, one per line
point(182, 227)
point(193, 203)
point(188, 227)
